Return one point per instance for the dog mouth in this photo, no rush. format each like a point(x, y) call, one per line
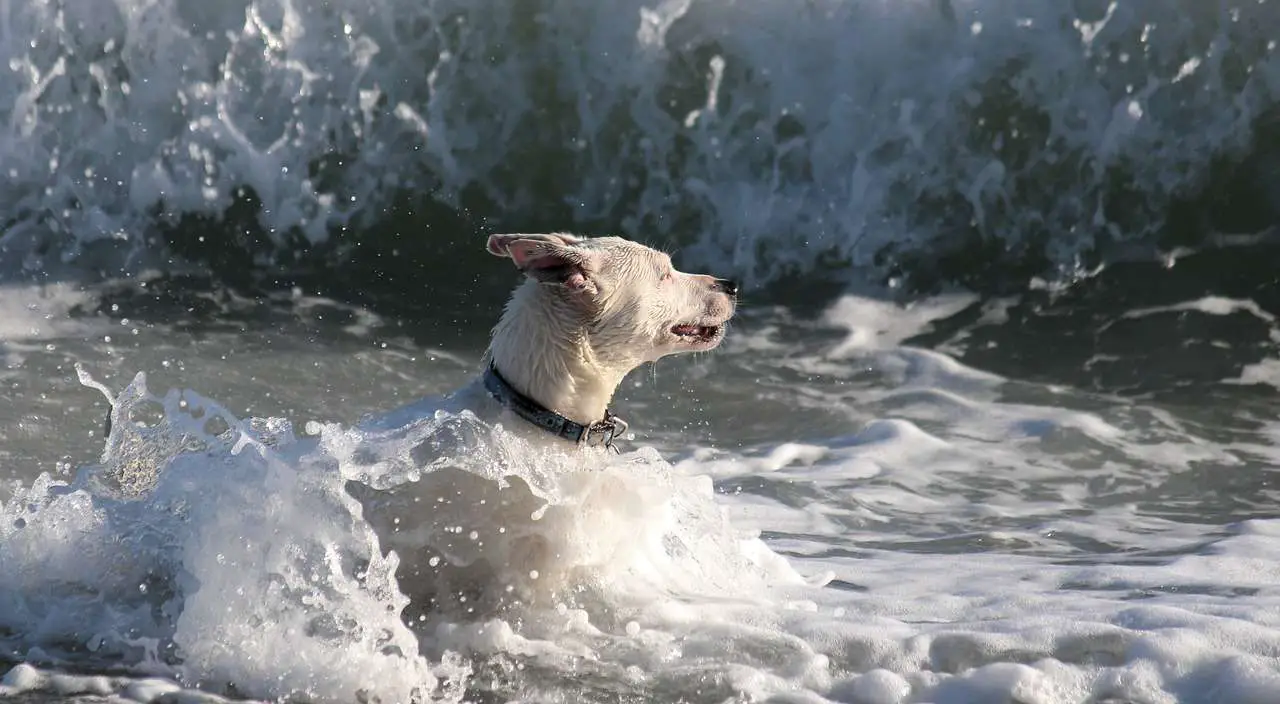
point(690, 332)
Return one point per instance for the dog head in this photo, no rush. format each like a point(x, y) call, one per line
point(633, 304)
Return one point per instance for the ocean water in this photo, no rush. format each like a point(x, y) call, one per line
point(996, 422)
point(948, 499)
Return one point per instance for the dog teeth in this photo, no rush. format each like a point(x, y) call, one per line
point(698, 331)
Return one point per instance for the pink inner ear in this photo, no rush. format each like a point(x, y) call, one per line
point(528, 254)
point(549, 263)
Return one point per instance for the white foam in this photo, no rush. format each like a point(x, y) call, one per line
point(36, 313)
point(146, 560)
point(25, 679)
point(884, 324)
point(1266, 372)
point(1210, 305)
point(948, 543)
point(241, 558)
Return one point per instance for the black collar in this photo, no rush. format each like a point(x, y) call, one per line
point(599, 434)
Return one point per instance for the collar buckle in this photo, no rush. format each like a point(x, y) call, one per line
point(608, 430)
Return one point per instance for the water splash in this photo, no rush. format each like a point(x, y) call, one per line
point(848, 132)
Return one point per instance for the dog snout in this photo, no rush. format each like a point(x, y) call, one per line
point(727, 286)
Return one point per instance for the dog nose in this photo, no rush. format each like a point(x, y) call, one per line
point(726, 286)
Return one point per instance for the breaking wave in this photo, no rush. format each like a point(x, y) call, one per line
point(767, 136)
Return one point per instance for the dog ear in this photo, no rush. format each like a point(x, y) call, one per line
point(498, 244)
point(550, 259)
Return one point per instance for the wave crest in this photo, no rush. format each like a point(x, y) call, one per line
point(760, 135)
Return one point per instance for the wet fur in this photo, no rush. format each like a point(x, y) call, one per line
point(590, 312)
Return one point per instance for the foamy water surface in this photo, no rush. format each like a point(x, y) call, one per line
point(834, 507)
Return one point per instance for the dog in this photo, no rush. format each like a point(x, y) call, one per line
point(590, 311)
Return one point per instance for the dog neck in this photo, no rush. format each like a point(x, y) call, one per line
point(542, 348)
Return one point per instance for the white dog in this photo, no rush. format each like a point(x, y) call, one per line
point(590, 311)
